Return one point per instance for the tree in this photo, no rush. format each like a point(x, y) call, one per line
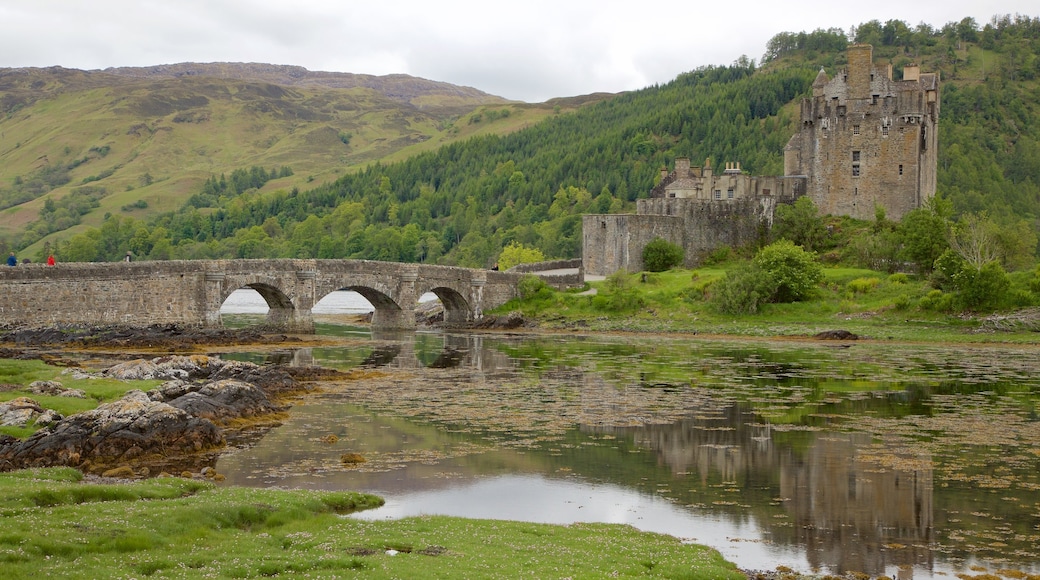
point(974, 239)
point(660, 255)
point(516, 253)
point(924, 237)
point(801, 223)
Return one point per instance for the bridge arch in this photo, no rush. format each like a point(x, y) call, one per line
point(281, 311)
point(457, 309)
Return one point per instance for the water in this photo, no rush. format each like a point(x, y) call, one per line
point(249, 301)
point(912, 462)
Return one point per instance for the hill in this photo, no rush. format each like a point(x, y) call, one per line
point(462, 199)
point(145, 139)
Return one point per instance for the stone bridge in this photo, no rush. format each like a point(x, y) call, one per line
point(191, 291)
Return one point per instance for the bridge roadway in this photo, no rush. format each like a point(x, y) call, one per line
point(191, 291)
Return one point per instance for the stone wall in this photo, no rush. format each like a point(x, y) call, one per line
point(191, 292)
point(615, 242)
point(117, 293)
point(546, 271)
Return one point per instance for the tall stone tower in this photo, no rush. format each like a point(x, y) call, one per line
point(867, 140)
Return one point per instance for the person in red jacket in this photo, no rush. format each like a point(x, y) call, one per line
point(50, 260)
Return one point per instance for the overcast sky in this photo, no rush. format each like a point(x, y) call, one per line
point(529, 50)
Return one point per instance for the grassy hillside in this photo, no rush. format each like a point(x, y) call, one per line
point(150, 138)
point(461, 191)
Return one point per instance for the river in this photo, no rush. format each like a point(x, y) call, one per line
point(905, 460)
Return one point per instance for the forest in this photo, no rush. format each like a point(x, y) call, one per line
point(465, 202)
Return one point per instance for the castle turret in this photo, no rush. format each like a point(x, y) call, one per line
point(820, 83)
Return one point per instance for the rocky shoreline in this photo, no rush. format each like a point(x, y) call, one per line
point(180, 426)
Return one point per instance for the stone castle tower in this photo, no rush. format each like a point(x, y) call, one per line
point(866, 140)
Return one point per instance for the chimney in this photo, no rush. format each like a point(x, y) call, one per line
point(911, 72)
point(682, 167)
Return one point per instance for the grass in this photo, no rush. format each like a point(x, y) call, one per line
point(25, 372)
point(55, 524)
point(871, 304)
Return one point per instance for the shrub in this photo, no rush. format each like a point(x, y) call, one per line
point(719, 255)
point(531, 286)
point(984, 288)
point(902, 302)
point(863, 285)
point(937, 301)
point(619, 294)
point(660, 255)
point(899, 278)
point(794, 273)
point(743, 291)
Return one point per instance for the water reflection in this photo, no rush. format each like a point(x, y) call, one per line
point(770, 454)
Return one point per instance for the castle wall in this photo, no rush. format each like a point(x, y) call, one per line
point(708, 225)
point(615, 242)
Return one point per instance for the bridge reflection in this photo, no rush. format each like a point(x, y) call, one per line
point(402, 350)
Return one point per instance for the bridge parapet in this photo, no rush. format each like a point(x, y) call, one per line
point(191, 292)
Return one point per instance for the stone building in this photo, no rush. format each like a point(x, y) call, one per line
point(865, 141)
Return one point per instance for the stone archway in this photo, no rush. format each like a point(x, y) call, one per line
point(281, 312)
point(457, 310)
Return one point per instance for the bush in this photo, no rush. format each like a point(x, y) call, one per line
point(619, 294)
point(660, 255)
point(793, 272)
point(531, 286)
point(937, 301)
point(743, 291)
point(863, 285)
point(984, 288)
point(899, 278)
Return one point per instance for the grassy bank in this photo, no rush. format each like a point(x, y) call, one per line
point(871, 304)
point(56, 524)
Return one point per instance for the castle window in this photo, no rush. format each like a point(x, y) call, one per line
point(884, 130)
point(671, 194)
point(767, 192)
point(855, 155)
point(900, 169)
point(718, 194)
point(873, 99)
point(855, 170)
point(855, 129)
point(729, 193)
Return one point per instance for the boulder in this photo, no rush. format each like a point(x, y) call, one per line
point(19, 412)
point(55, 389)
point(131, 427)
point(217, 401)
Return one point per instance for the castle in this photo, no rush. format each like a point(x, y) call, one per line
point(866, 141)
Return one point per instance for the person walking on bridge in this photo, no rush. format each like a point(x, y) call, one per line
point(12, 260)
point(128, 257)
point(50, 260)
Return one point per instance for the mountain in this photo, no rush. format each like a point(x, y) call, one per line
point(498, 174)
point(143, 140)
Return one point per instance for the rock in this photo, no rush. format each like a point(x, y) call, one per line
point(133, 426)
point(217, 401)
point(836, 335)
point(507, 322)
point(201, 368)
point(123, 472)
point(19, 412)
point(55, 389)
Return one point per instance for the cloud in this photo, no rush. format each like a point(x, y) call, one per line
point(530, 51)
